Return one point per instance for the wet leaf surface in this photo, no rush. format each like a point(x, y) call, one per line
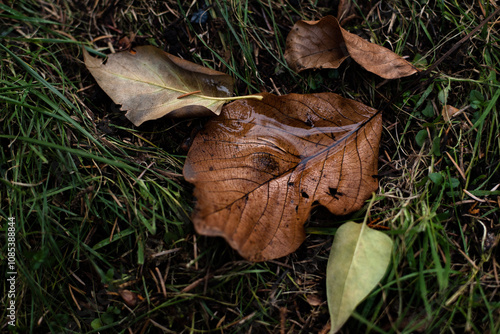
point(325, 44)
point(150, 83)
point(261, 166)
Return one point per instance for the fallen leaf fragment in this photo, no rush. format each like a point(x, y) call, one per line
point(313, 300)
point(325, 44)
point(448, 112)
point(315, 44)
point(358, 261)
point(261, 166)
point(130, 298)
point(147, 82)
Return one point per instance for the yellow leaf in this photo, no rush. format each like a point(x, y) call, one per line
point(150, 83)
point(358, 261)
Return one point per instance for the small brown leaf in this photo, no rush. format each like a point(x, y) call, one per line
point(313, 300)
point(147, 83)
point(449, 112)
point(325, 44)
point(130, 298)
point(315, 44)
point(260, 167)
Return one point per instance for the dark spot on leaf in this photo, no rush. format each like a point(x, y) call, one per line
point(296, 208)
point(334, 192)
point(316, 203)
point(211, 168)
point(304, 194)
point(265, 162)
point(290, 184)
point(309, 121)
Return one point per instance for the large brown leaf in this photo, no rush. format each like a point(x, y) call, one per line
point(149, 83)
point(260, 167)
point(325, 44)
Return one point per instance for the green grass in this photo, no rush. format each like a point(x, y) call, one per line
point(100, 205)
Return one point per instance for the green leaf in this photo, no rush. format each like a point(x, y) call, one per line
point(107, 318)
point(437, 178)
point(476, 96)
point(425, 96)
point(443, 95)
point(428, 111)
point(454, 183)
point(421, 137)
point(96, 323)
point(358, 260)
point(436, 146)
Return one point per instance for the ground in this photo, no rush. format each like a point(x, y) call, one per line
point(104, 240)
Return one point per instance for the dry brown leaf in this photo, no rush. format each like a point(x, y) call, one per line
point(129, 297)
point(149, 83)
point(315, 44)
point(260, 167)
point(449, 112)
point(325, 44)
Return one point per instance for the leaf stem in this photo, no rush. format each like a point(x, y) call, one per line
point(372, 200)
point(187, 94)
point(229, 98)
